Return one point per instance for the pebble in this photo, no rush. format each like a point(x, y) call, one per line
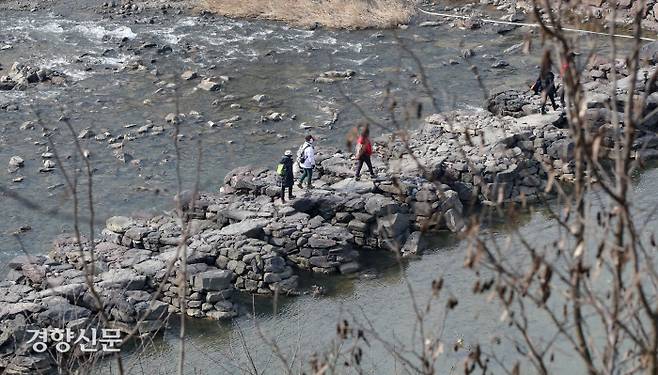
point(259, 98)
point(15, 162)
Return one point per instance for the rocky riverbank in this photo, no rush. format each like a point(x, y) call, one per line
point(243, 240)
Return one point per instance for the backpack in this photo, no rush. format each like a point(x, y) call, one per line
point(280, 169)
point(302, 156)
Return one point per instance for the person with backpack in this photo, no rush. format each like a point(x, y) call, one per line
point(306, 160)
point(363, 153)
point(545, 83)
point(285, 175)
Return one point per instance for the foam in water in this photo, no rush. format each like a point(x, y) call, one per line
point(100, 31)
point(189, 21)
point(51, 27)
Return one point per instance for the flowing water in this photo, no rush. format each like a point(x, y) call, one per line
point(104, 93)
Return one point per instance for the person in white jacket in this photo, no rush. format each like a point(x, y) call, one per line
point(306, 160)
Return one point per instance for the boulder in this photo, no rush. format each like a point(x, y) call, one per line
point(18, 262)
point(414, 244)
point(137, 233)
point(393, 230)
point(252, 228)
point(151, 310)
point(379, 205)
point(119, 224)
point(69, 291)
point(60, 313)
point(321, 243)
point(561, 149)
point(350, 267)
point(149, 267)
point(275, 264)
point(349, 185)
point(454, 220)
point(8, 310)
point(121, 278)
point(15, 162)
point(241, 178)
point(214, 280)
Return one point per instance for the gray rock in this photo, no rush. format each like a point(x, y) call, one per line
point(323, 262)
point(189, 75)
point(349, 185)
point(320, 243)
point(86, 134)
point(149, 326)
point(137, 233)
point(259, 98)
point(379, 205)
point(357, 225)
point(393, 229)
point(288, 286)
point(349, 267)
point(216, 296)
point(119, 224)
point(8, 310)
point(414, 244)
point(209, 85)
point(454, 220)
point(151, 310)
point(70, 291)
point(275, 264)
point(252, 228)
point(57, 315)
point(149, 267)
point(335, 75)
point(15, 162)
point(561, 149)
point(214, 280)
point(270, 277)
point(122, 279)
point(18, 262)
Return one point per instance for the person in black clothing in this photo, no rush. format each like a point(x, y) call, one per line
point(287, 177)
point(546, 83)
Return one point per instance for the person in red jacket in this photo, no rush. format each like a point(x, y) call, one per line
point(363, 153)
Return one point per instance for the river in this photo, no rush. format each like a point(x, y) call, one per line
point(104, 93)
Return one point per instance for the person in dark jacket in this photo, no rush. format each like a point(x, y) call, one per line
point(287, 177)
point(546, 82)
point(549, 90)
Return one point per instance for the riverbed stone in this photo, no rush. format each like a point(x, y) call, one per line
point(252, 228)
point(209, 85)
point(15, 162)
point(379, 205)
point(214, 280)
point(119, 224)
